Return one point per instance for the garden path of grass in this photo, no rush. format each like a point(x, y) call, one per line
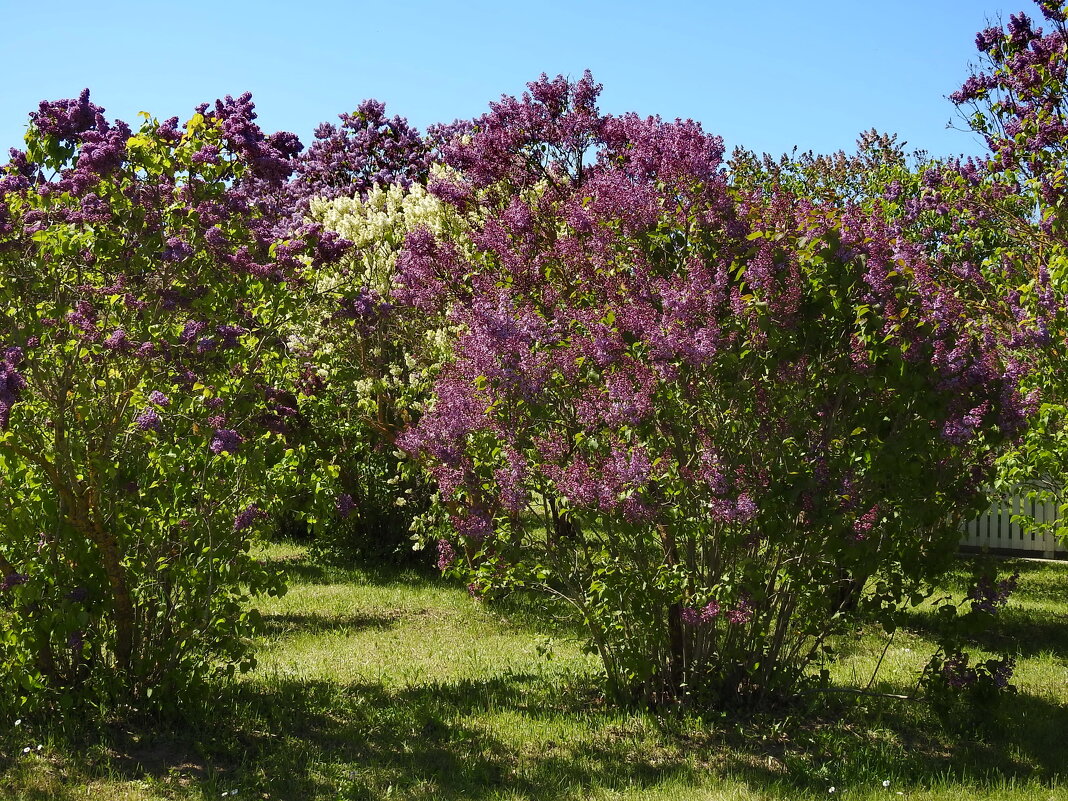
point(390, 684)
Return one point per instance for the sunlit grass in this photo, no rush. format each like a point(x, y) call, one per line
point(391, 684)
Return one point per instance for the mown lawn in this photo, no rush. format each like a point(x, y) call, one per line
point(389, 684)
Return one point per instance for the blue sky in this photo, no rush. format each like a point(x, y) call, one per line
point(765, 75)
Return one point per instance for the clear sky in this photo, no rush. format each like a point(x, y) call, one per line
point(765, 75)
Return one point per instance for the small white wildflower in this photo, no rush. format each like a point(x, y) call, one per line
point(39, 746)
point(26, 750)
point(886, 782)
point(830, 789)
point(18, 722)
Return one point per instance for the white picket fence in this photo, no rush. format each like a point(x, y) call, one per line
point(994, 530)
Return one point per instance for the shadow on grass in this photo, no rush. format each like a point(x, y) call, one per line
point(520, 733)
point(524, 735)
point(289, 623)
point(1013, 631)
point(531, 611)
point(1040, 580)
point(306, 569)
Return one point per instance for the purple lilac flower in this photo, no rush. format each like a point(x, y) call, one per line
point(864, 524)
point(158, 398)
point(691, 616)
point(209, 154)
point(345, 505)
point(956, 672)
point(177, 250)
point(742, 613)
point(11, 383)
point(699, 617)
point(148, 420)
point(745, 508)
point(118, 341)
point(446, 555)
point(225, 440)
point(247, 517)
point(228, 334)
point(988, 596)
point(13, 580)
point(84, 318)
point(191, 331)
point(475, 523)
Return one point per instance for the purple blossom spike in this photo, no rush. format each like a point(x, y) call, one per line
point(13, 580)
point(446, 555)
point(225, 440)
point(12, 383)
point(148, 420)
point(345, 505)
point(246, 517)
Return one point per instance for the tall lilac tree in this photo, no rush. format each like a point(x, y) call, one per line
point(366, 504)
point(703, 415)
point(1011, 220)
point(146, 298)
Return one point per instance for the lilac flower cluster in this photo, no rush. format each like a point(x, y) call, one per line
point(11, 382)
point(13, 580)
point(988, 596)
point(737, 615)
point(957, 673)
point(367, 149)
point(692, 616)
point(345, 505)
point(742, 613)
point(248, 516)
point(148, 420)
point(225, 440)
point(446, 555)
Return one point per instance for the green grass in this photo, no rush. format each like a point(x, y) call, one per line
point(390, 684)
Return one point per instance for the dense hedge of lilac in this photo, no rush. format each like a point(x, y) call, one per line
point(719, 408)
point(703, 414)
point(141, 403)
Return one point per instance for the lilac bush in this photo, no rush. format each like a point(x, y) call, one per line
point(366, 366)
point(704, 413)
point(352, 351)
point(1011, 204)
point(146, 295)
point(967, 693)
point(366, 150)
